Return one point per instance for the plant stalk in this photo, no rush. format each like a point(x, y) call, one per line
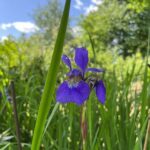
point(147, 135)
point(15, 113)
point(83, 126)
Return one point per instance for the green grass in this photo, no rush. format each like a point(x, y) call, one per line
point(120, 124)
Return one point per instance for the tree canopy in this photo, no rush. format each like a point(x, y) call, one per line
point(119, 23)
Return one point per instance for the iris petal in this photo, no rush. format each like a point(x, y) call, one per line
point(76, 94)
point(94, 70)
point(100, 91)
point(81, 58)
point(75, 72)
point(66, 60)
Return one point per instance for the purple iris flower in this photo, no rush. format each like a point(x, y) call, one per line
point(77, 88)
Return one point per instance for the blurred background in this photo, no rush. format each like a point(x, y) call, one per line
point(117, 36)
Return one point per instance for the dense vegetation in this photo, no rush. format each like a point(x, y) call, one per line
point(117, 37)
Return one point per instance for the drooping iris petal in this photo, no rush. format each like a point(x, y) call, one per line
point(81, 58)
point(66, 60)
point(76, 94)
point(100, 91)
point(94, 70)
point(75, 72)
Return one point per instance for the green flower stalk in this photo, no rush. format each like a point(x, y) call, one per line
point(50, 80)
point(83, 126)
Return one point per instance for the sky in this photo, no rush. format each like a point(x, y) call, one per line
point(17, 15)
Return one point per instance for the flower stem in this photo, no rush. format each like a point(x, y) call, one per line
point(83, 126)
point(147, 134)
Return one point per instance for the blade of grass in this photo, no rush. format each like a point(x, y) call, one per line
point(50, 80)
point(92, 45)
point(95, 138)
point(145, 83)
point(51, 116)
point(5, 147)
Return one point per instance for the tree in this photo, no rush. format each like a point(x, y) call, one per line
point(120, 23)
point(48, 19)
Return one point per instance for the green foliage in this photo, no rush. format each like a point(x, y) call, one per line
point(123, 25)
point(123, 117)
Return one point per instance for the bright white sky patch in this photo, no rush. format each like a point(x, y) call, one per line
point(97, 2)
point(5, 26)
point(78, 4)
point(3, 38)
point(25, 27)
point(93, 7)
point(76, 30)
point(90, 8)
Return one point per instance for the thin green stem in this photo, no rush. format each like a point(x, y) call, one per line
point(92, 45)
point(89, 113)
point(83, 126)
point(147, 135)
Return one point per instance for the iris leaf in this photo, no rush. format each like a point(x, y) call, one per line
point(50, 80)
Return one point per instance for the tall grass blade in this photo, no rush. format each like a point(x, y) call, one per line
point(5, 147)
point(51, 116)
point(50, 80)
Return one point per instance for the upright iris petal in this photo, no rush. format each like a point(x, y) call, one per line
point(81, 58)
point(66, 60)
point(77, 93)
point(100, 91)
point(75, 72)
